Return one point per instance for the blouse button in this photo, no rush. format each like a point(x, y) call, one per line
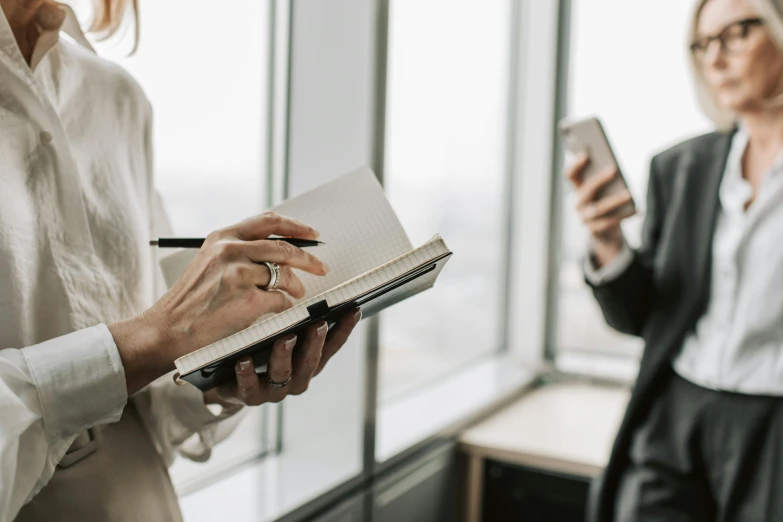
point(46, 137)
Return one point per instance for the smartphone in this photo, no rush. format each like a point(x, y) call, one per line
point(587, 135)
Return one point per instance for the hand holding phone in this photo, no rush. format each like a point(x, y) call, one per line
point(603, 198)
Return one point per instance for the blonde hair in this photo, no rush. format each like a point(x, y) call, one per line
point(110, 16)
point(772, 13)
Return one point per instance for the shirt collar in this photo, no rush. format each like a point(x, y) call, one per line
point(740, 143)
point(736, 190)
point(47, 39)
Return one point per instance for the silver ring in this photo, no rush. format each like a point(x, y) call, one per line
point(275, 384)
point(274, 276)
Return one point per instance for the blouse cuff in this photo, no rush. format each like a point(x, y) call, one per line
point(80, 381)
point(610, 271)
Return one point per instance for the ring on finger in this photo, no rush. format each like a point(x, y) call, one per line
point(274, 276)
point(274, 384)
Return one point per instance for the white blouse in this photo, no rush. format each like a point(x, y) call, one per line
point(77, 208)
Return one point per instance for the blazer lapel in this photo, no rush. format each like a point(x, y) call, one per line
point(702, 201)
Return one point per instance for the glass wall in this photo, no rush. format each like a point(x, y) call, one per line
point(205, 72)
point(634, 76)
point(448, 76)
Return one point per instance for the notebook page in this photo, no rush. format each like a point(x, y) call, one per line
point(357, 223)
point(366, 282)
point(433, 249)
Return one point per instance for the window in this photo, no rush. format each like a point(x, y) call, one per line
point(634, 77)
point(448, 76)
point(209, 104)
point(211, 128)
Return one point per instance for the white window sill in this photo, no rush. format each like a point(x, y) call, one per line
point(405, 422)
point(598, 365)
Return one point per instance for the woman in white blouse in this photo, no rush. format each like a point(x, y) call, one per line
point(85, 433)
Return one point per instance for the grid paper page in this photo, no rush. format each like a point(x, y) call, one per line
point(357, 223)
point(360, 285)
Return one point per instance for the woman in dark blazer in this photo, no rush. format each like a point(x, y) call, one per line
point(702, 438)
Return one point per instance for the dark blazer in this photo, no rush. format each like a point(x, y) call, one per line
point(665, 290)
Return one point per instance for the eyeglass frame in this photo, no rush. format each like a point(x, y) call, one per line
point(699, 48)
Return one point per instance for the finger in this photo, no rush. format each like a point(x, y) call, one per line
point(280, 362)
point(603, 225)
point(273, 301)
point(225, 396)
point(288, 281)
point(338, 336)
point(249, 390)
point(605, 206)
point(593, 185)
point(576, 169)
point(284, 253)
point(271, 223)
point(309, 358)
point(291, 283)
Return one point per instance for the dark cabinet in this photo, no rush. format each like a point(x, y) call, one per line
point(519, 494)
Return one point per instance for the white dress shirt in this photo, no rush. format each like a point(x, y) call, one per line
point(77, 207)
point(737, 344)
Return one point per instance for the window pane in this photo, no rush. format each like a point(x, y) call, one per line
point(446, 121)
point(205, 73)
point(642, 92)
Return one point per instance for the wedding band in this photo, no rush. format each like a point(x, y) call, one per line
point(275, 384)
point(274, 276)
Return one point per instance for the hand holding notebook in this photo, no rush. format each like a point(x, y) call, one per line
point(373, 266)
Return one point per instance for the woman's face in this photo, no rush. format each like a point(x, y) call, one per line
point(746, 70)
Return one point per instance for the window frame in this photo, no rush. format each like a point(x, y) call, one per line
point(563, 68)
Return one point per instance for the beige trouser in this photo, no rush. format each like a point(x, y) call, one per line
point(110, 474)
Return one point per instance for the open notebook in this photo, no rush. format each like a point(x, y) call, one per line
point(373, 265)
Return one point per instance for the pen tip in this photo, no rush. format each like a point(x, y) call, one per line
point(153, 242)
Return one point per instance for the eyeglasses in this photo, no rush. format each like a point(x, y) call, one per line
point(733, 39)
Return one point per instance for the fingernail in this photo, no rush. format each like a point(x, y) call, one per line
point(245, 365)
point(322, 330)
point(314, 232)
point(289, 344)
point(357, 316)
point(326, 268)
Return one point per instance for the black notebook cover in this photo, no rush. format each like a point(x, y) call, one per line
point(371, 303)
